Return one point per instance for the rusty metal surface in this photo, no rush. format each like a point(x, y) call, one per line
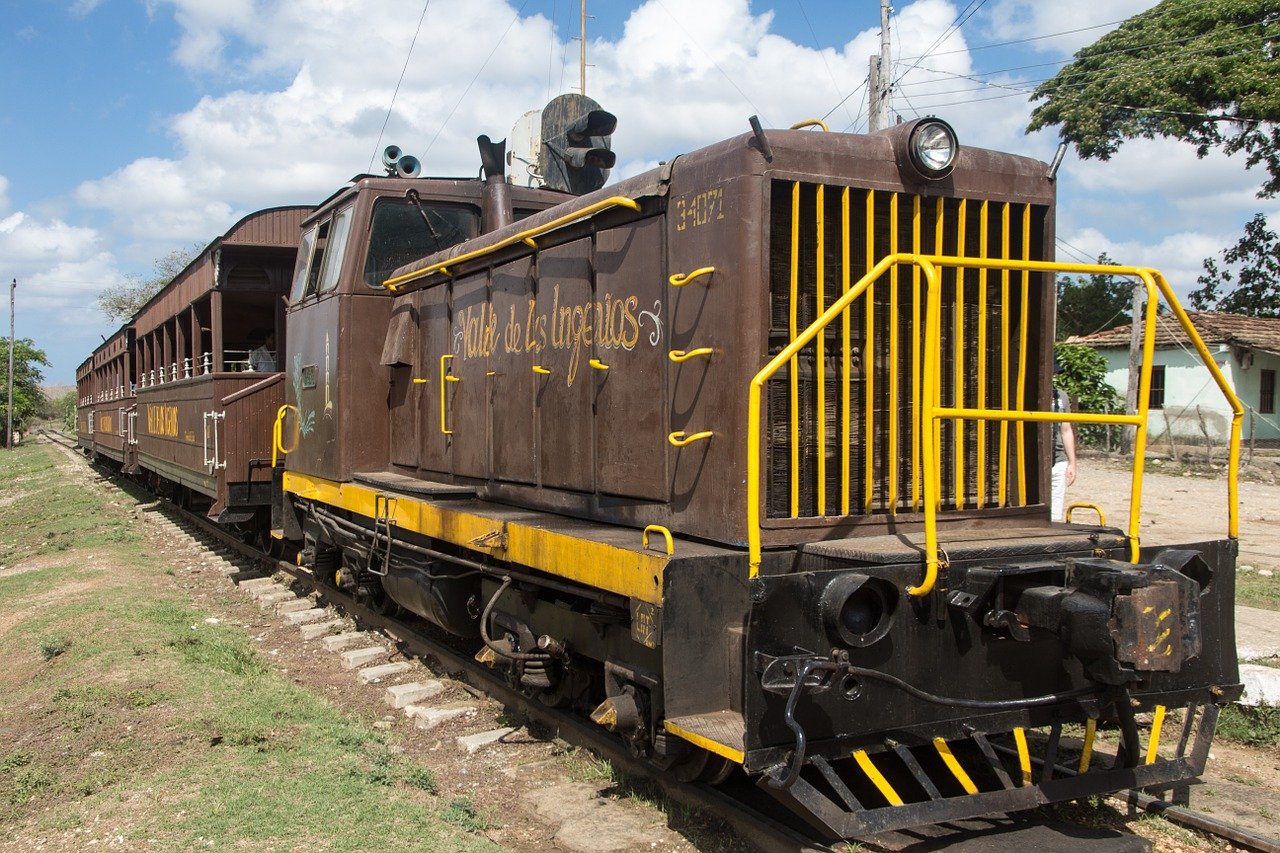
point(599, 438)
point(562, 397)
point(1148, 625)
point(175, 438)
point(473, 333)
point(631, 338)
point(512, 386)
point(435, 448)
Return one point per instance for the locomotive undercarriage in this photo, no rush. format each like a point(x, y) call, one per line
point(858, 707)
point(566, 645)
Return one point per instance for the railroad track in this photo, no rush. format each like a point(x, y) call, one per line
point(733, 804)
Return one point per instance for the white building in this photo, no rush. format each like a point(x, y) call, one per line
point(1185, 402)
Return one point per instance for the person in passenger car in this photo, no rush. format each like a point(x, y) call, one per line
point(262, 359)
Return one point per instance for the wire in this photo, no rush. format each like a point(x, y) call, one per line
point(405, 68)
point(467, 90)
point(818, 48)
point(723, 73)
point(960, 20)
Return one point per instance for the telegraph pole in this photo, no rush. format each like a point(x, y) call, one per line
point(8, 432)
point(1135, 355)
point(582, 52)
point(881, 76)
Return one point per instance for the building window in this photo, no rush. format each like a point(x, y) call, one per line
point(1156, 400)
point(1267, 393)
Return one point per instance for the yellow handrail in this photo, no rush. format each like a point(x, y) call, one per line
point(444, 393)
point(277, 435)
point(681, 279)
point(680, 356)
point(395, 285)
point(666, 537)
point(811, 122)
point(1102, 516)
point(679, 439)
point(930, 412)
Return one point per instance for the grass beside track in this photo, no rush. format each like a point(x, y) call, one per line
point(127, 717)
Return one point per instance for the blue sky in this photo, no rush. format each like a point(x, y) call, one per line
point(132, 127)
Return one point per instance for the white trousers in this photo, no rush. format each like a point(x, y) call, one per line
point(1059, 492)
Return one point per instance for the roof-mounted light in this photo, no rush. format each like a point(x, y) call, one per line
point(933, 148)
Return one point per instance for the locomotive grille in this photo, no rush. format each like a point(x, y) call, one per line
point(842, 426)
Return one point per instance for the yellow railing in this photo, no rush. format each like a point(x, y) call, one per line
point(397, 284)
point(928, 413)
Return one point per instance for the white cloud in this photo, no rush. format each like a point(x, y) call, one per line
point(316, 77)
point(82, 8)
point(1073, 25)
point(4, 195)
point(1179, 256)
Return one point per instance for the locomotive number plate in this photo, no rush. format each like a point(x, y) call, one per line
point(646, 623)
point(700, 209)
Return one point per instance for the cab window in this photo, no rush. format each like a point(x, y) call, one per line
point(304, 263)
point(320, 256)
point(337, 250)
point(399, 234)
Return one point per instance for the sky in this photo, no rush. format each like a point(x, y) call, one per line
point(129, 128)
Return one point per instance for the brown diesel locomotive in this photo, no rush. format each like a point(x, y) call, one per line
point(746, 457)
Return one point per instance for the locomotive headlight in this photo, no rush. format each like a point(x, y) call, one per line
point(933, 148)
point(857, 610)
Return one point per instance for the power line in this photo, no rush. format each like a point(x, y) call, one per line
point(723, 73)
point(403, 69)
point(818, 48)
point(480, 71)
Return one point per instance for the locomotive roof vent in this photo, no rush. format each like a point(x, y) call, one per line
point(928, 145)
point(400, 164)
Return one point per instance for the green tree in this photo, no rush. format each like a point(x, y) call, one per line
point(28, 397)
point(65, 410)
point(1088, 304)
point(1248, 281)
point(1203, 73)
point(1083, 376)
point(121, 301)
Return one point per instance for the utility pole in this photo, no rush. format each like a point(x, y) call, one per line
point(582, 52)
point(881, 76)
point(1135, 355)
point(8, 431)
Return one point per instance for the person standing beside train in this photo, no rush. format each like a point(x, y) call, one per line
point(1064, 452)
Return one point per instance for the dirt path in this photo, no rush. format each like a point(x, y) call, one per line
point(1186, 507)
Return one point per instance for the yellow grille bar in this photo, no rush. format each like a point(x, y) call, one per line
point(846, 361)
point(928, 417)
point(869, 361)
point(1022, 355)
point(957, 444)
point(1002, 497)
point(795, 360)
point(822, 355)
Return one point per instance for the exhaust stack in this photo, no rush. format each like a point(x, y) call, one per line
point(496, 196)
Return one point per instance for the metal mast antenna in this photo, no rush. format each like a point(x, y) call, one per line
point(881, 75)
point(582, 52)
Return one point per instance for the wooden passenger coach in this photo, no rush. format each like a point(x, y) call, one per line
point(204, 416)
point(105, 389)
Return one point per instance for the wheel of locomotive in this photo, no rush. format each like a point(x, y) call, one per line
point(703, 766)
point(380, 601)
